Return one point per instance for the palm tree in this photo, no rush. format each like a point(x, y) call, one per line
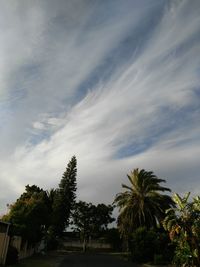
point(142, 204)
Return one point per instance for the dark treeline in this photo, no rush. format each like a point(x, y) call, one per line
point(156, 227)
point(38, 214)
point(151, 225)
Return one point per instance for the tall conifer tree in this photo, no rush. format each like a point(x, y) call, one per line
point(65, 198)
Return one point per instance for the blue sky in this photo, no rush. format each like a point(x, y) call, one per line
point(115, 83)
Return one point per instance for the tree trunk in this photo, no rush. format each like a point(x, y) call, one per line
point(84, 245)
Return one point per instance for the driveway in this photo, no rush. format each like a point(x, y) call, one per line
point(94, 260)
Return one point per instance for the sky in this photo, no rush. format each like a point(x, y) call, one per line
point(114, 82)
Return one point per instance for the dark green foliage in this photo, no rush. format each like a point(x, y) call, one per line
point(51, 196)
point(143, 245)
point(90, 220)
point(102, 216)
point(12, 256)
point(183, 225)
point(150, 246)
point(51, 238)
point(165, 249)
point(29, 214)
point(52, 242)
point(38, 213)
point(67, 186)
point(142, 204)
point(32, 191)
point(64, 199)
point(113, 237)
point(82, 220)
point(158, 259)
point(183, 255)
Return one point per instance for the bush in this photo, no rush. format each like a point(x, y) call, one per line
point(12, 255)
point(151, 246)
point(52, 243)
point(183, 255)
point(158, 259)
point(164, 246)
point(113, 237)
point(143, 245)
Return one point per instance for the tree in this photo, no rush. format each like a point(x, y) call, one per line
point(90, 220)
point(112, 237)
point(29, 214)
point(102, 217)
point(141, 204)
point(51, 196)
point(64, 198)
point(183, 224)
point(51, 239)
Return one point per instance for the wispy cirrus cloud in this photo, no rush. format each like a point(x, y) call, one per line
point(116, 85)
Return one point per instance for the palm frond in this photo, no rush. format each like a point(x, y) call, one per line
point(142, 204)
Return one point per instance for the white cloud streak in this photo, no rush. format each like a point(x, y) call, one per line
point(151, 101)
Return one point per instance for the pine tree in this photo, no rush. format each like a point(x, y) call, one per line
point(65, 198)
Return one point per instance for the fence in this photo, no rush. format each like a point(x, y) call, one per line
point(4, 241)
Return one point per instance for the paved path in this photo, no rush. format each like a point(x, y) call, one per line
point(94, 260)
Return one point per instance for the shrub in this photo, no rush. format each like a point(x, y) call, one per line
point(143, 245)
point(151, 246)
point(158, 259)
point(164, 246)
point(113, 237)
point(52, 243)
point(183, 255)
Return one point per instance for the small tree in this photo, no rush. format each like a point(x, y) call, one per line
point(90, 220)
point(183, 225)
